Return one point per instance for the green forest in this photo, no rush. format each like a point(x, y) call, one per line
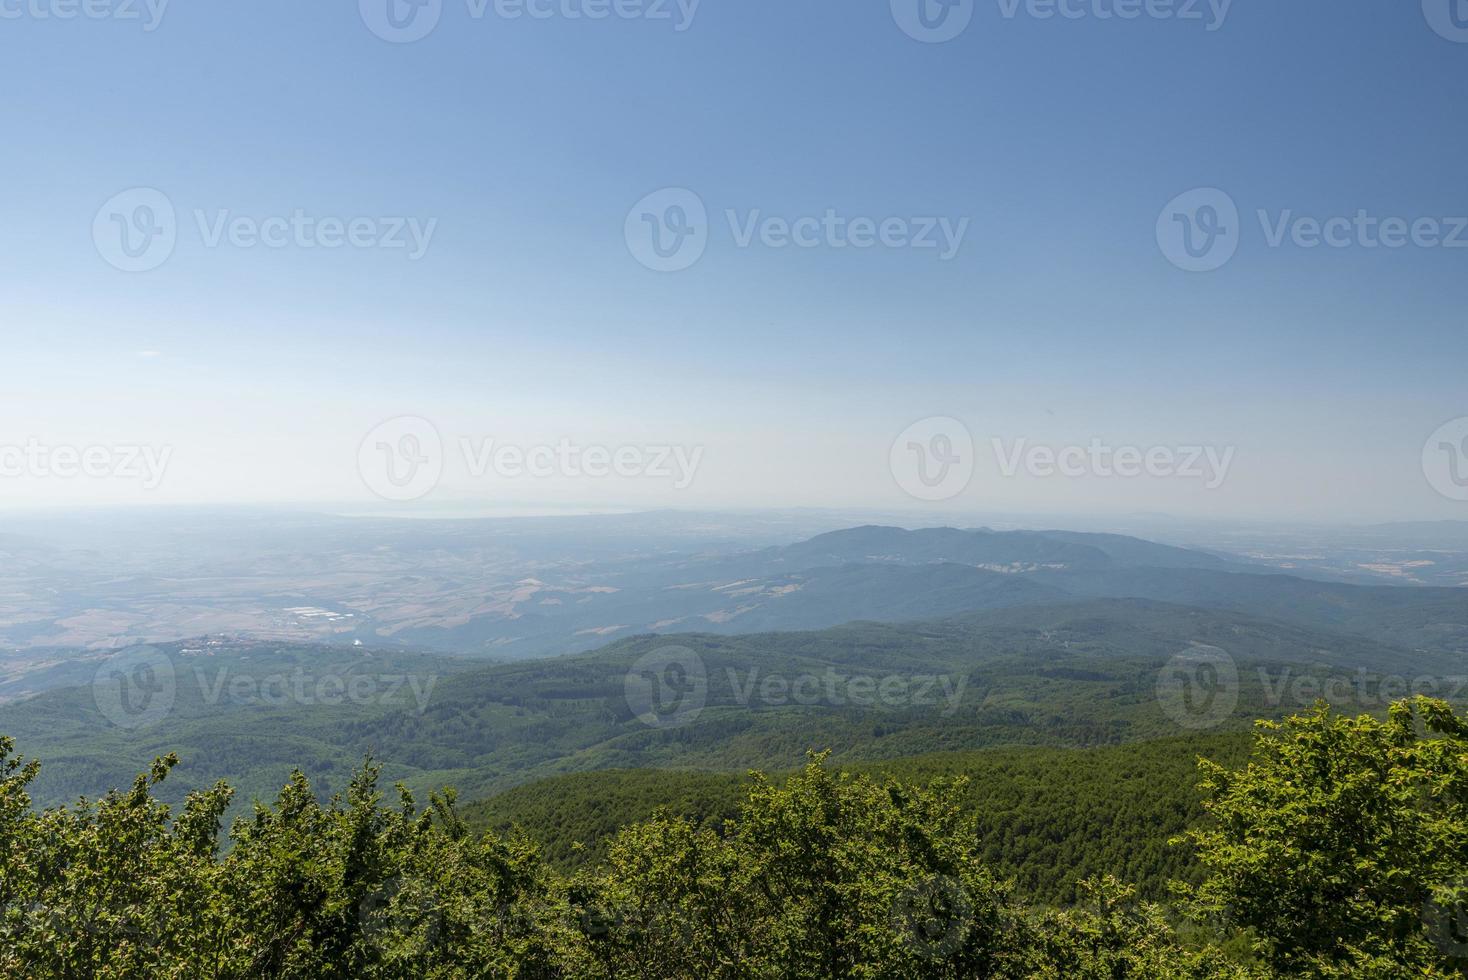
point(1063, 676)
point(1324, 845)
point(1046, 818)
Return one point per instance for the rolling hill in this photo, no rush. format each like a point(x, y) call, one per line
point(1051, 674)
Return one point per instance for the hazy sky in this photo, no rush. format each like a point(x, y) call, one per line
point(1052, 311)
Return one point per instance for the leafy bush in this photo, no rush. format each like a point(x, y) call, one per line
point(1340, 850)
point(1343, 844)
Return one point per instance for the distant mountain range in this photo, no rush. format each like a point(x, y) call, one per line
point(884, 574)
point(1052, 673)
point(1007, 551)
point(888, 574)
point(1043, 638)
point(508, 590)
point(1072, 678)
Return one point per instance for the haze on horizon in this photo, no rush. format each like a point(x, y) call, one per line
point(1028, 298)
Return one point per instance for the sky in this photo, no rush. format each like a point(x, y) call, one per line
point(1028, 255)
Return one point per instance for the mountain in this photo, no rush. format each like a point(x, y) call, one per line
point(1059, 674)
point(878, 573)
point(1048, 817)
point(999, 550)
point(1424, 618)
point(519, 590)
point(815, 598)
point(1011, 551)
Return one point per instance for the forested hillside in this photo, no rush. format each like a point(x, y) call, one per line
point(1002, 793)
point(1046, 817)
point(1062, 675)
point(1338, 851)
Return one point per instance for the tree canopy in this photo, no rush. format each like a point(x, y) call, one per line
point(1339, 849)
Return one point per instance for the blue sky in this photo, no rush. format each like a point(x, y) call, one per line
point(528, 319)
